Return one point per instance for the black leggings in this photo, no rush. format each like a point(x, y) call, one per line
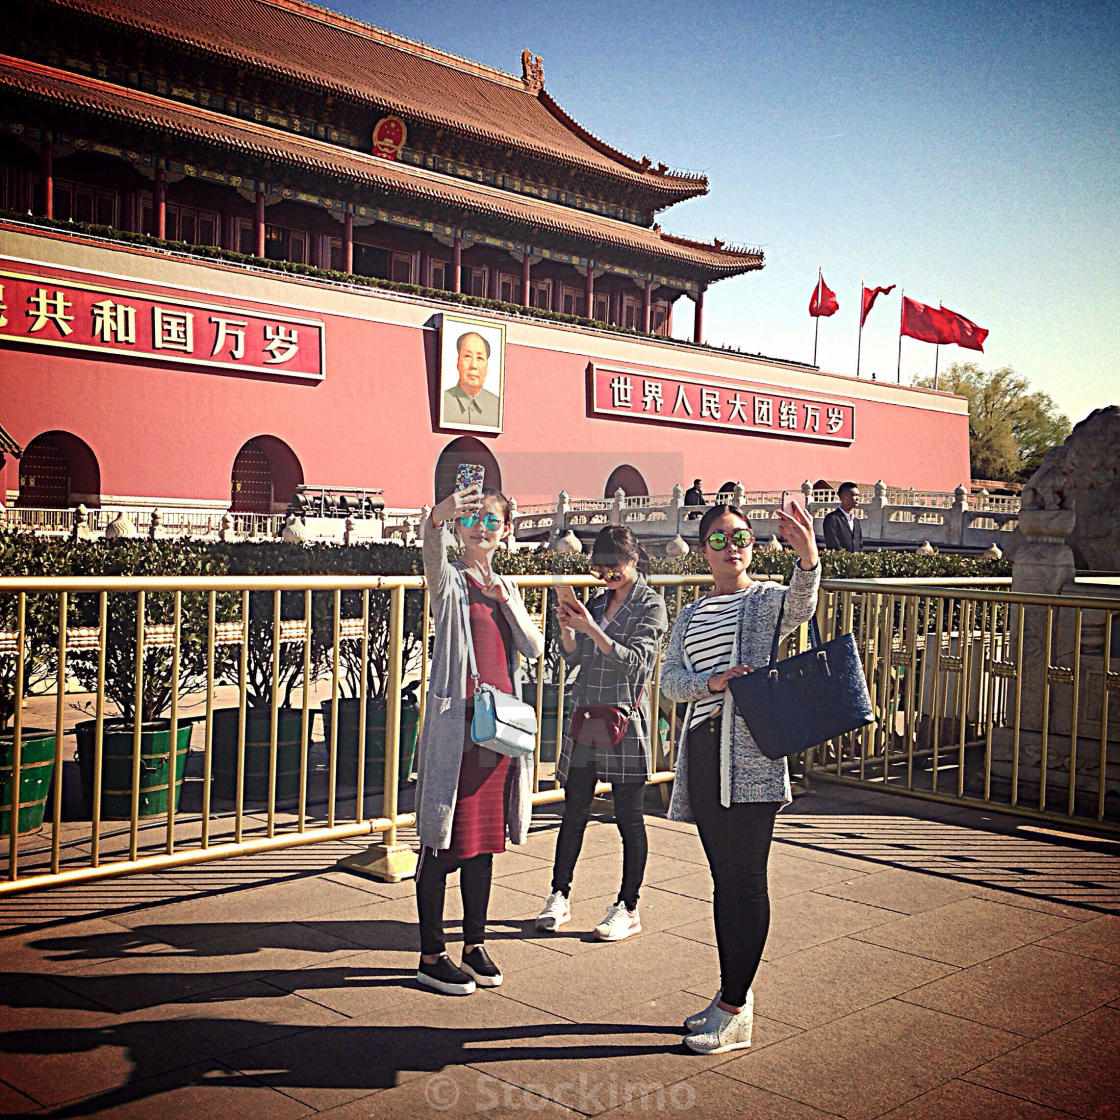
point(431, 887)
point(737, 843)
point(579, 791)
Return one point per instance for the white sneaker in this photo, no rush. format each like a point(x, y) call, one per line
point(722, 1032)
point(557, 910)
point(619, 923)
point(695, 1022)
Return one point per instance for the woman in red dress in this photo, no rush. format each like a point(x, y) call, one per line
point(469, 798)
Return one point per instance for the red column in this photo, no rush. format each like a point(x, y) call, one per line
point(457, 265)
point(590, 290)
point(258, 225)
point(425, 268)
point(348, 243)
point(698, 324)
point(525, 269)
point(647, 307)
point(161, 202)
point(48, 178)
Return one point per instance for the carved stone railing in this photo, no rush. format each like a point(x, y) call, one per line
point(910, 519)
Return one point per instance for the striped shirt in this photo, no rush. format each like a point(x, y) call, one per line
point(709, 642)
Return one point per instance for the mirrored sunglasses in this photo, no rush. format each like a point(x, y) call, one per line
point(609, 575)
point(742, 538)
point(490, 521)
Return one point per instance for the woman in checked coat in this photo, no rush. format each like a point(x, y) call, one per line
point(614, 641)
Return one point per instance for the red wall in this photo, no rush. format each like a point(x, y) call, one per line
point(161, 430)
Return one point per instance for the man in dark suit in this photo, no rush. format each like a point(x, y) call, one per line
point(694, 496)
point(842, 528)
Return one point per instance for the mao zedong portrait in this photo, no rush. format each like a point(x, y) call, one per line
point(467, 402)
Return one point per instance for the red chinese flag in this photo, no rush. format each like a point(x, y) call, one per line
point(927, 324)
point(824, 300)
point(870, 295)
point(965, 332)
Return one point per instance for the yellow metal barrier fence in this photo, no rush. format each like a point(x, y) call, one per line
point(982, 696)
point(151, 661)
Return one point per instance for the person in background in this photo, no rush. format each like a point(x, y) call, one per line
point(842, 528)
point(613, 641)
point(694, 496)
point(723, 782)
point(468, 798)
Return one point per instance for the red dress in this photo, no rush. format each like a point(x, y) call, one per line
point(479, 825)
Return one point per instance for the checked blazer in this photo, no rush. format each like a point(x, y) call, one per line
point(617, 679)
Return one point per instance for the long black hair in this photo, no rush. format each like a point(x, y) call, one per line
point(616, 544)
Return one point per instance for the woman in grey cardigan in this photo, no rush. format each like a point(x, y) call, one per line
point(614, 642)
point(723, 782)
point(468, 798)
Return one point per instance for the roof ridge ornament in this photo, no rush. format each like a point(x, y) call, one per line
point(532, 72)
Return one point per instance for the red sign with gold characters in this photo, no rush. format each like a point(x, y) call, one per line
point(389, 135)
point(71, 314)
point(749, 409)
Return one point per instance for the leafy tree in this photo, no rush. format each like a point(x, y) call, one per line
point(1010, 428)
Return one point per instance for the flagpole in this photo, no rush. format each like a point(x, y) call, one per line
point(936, 355)
point(901, 312)
point(817, 318)
point(859, 337)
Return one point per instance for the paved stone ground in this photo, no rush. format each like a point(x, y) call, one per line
point(924, 962)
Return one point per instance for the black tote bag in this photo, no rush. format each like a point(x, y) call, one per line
point(807, 699)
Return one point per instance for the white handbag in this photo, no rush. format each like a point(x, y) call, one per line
point(500, 722)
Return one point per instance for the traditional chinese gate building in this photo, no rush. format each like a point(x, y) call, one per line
point(244, 240)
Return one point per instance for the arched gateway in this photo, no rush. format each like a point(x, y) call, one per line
point(466, 449)
point(58, 471)
point(266, 473)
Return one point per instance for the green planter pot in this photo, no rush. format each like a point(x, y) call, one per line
point(348, 712)
point(116, 767)
point(258, 740)
point(36, 767)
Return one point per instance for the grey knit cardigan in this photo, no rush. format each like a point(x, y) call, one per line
point(441, 742)
point(746, 774)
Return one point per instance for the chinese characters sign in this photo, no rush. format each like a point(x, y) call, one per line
point(727, 408)
point(70, 314)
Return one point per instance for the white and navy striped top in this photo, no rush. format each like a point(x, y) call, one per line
point(709, 643)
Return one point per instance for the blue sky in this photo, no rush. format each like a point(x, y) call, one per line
point(967, 152)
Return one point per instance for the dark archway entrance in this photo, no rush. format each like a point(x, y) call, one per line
point(466, 449)
point(629, 480)
point(265, 476)
point(58, 471)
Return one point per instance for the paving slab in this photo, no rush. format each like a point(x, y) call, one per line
point(1098, 938)
point(1030, 990)
point(965, 932)
point(1074, 1067)
point(863, 1065)
point(958, 1100)
point(790, 987)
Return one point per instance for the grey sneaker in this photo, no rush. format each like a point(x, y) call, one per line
point(694, 1022)
point(619, 923)
point(722, 1032)
point(557, 910)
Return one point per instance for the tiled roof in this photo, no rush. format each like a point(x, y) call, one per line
point(332, 51)
point(204, 126)
point(8, 446)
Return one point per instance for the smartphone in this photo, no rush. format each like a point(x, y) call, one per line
point(468, 475)
point(565, 593)
point(792, 498)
